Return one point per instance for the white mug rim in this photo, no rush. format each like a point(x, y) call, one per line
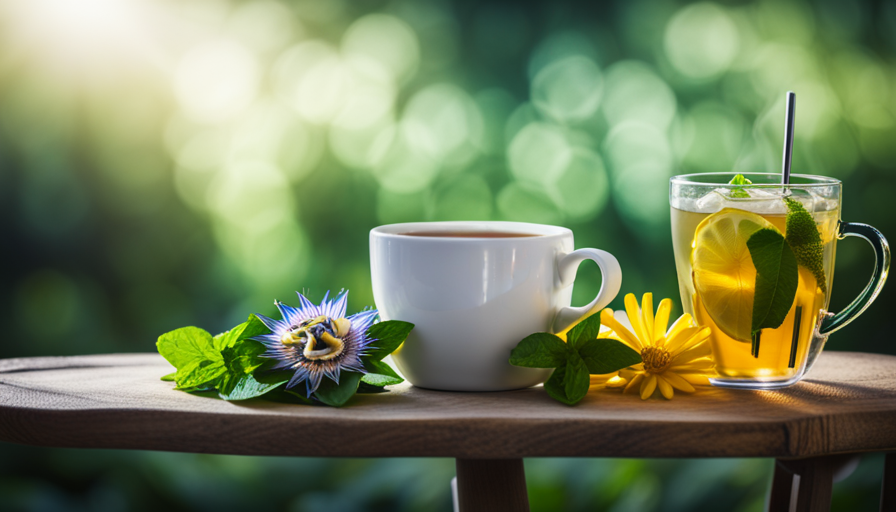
point(543, 231)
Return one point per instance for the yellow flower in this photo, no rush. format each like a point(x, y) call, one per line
point(675, 359)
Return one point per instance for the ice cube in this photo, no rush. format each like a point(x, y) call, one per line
point(711, 202)
point(762, 201)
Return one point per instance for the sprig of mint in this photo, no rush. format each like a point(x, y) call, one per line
point(230, 364)
point(205, 362)
point(776, 258)
point(805, 240)
point(776, 278)
point(575, 360)
point(739, 192)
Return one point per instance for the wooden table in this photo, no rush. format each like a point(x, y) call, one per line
point(846, 406)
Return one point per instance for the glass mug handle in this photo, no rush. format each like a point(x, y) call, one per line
point(611, 282)
point(833, 322)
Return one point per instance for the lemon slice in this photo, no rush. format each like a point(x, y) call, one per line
point(723, 271)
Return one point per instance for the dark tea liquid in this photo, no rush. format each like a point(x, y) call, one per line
point(468, 234)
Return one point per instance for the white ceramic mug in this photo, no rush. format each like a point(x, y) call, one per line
point(473, 299)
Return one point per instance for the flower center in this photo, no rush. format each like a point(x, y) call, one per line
point(320, 337)
point(656, 359)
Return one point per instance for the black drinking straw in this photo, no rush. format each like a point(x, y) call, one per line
point(785, 179)
point(797, 316)
point(788, 137)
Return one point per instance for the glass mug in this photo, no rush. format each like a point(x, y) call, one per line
point(711, 223)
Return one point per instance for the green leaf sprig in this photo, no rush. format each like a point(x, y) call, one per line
point(575, 360)
point(230, 365)
point(739, 192)
point(776, 258)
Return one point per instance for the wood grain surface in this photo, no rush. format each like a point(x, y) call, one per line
point(847, 404)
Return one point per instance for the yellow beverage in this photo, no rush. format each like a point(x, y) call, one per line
point(725, 302)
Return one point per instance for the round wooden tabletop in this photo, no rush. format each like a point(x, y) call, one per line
point(847, 404)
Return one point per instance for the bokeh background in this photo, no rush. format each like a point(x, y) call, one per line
point(184, 162)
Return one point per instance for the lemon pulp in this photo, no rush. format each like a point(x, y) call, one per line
point(723, 271)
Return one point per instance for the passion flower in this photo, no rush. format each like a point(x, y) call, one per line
point(317, 340)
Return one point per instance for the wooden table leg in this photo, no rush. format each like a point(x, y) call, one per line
point(486, 485)
point(888, 487)
point(814, 482)
point(782, 489)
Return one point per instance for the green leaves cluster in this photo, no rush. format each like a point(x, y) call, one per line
point(223, 363)
point(776, 259)
point(575, 360)
point(805, 240)
point(739, 192)
point(230, 364)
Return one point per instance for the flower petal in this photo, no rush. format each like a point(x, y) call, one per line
point(336, 308)
point(678, 382)
point(648, 387)
point(634, 316)
point(632, 384)
point(683, 322)
point(616, 382)
point(627, 374)
point(277, 327)
point(267, 339)
point(290, 315)
point(697, 379)
point(362, 321)
point(665, 387)
point(700, 337)
point(661, 321)
point(701, 350)
point(696, 364)
point(681, 339)
point(313, 381)
point(624, 335)
point(308, 307)
point(647, 319)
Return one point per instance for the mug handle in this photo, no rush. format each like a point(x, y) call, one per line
point(832, 322)
point(611, 276)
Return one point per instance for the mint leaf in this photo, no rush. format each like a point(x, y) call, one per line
point(777, 278)
point(607, 355)
point(540, 350)
point(380, 380)
point(364, 387)
point(569, 382)
point(169, 377)
point(186, 345)
point(577, 378)
point(805, 240)
point(252, 327)
point(738, 191)
point(191, 350)
point(556, 385)
point(239, 360)
point(587, 329)
point(198, 373)
point(389, 335)
point(380, 374)
point(246, 387)
point(336, 395)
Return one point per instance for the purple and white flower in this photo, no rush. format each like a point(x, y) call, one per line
point(317, 340)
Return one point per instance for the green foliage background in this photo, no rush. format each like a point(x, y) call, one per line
point(167, 163)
